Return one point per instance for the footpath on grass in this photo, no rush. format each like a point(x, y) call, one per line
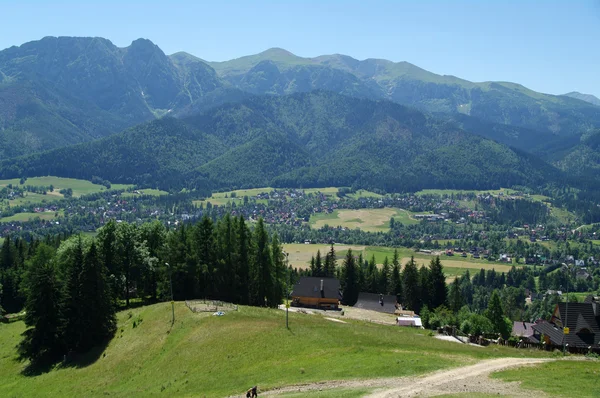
point(465, 379)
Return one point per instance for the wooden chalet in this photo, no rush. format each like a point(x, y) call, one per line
point(582, 321)
point(316, 292)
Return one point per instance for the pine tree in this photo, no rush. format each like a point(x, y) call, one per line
point(203, 247)
point(385, 277)
point(72, 329)
point(99, 321)
point(396, 283)
point(372, 276)
point(330, 262)
point(466, 288)
point(456, 299)
point(313, 268)
point(318, 265)
point(495, 314)
point(410, 286)
point(243, 269)
point(42, 341)
point(263, 276)
point(279, 288)
point(438, 283)
point(425, 287)
point(350, 281)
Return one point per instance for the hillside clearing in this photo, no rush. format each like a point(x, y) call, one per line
point(47, 215)
point(370, 220)
point(221, 356)
point(79, 187)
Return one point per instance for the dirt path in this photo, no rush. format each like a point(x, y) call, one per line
point(472, 378)
point(466, 379)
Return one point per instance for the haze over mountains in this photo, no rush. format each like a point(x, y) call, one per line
point(239, 125)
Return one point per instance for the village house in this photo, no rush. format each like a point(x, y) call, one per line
point(577, 328)
point(315, 292)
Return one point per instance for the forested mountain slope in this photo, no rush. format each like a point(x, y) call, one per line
point(277, 71)
point(308, 139)
point(60, 91)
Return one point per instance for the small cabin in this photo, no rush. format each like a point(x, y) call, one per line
point(317, 292)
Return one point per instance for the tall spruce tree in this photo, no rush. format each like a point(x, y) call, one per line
point(243, 264)
point(372, 277)
point(279, 271)
point(318, 265)
point(98, 321)
point(204, 251)
point(385, 277)
point(425, 287)
point(330, 262)
point(396, 283)
point(263, 264)
point(41, 341)
point(438, 283)
point(72, 328)
point(456, 298)
point(495, 313)
point(410, 286)
point(350, 281)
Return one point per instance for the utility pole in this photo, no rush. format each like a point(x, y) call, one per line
point(287, 291)
point(172, 302)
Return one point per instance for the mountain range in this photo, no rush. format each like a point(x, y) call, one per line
point(277, 118)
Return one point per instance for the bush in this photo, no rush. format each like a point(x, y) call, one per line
point(477, 325)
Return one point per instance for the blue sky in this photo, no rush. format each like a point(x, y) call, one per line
point(548, 46)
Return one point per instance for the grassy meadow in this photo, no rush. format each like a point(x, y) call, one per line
point(203, 355)
point(147, 191)
point(560, 378)
point(47, 215)
point(300, 255)
point(79, 187)
point(370, 220)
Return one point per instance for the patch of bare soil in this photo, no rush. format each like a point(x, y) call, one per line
point(465, 379)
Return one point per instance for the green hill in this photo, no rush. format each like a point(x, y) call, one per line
point(584, 97)
point(60, 91)
point(277, 71)
point(204, 355)
point(316, 139)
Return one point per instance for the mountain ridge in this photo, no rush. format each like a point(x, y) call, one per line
point(302, 140)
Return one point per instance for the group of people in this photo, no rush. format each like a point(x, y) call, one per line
point(252, 392)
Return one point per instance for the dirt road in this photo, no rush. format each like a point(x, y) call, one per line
point(466, 379)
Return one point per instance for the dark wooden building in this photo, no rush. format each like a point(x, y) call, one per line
point(582, 321)
point(316, 292)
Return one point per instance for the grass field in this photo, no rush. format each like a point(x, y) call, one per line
point(147, 191)
point(203, 355)
point(29, 216)
point(219, 199)
point(330, 191)
point(370, 220)
point(567, 379)
point(79, 187)
point(300, 254)
point(506, 191)
point(361, 193)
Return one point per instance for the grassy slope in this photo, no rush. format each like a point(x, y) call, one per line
point(218, 356)
point(566, 379)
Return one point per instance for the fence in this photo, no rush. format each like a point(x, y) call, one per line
point(210, 306)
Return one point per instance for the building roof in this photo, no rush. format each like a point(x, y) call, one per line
point(370, 301)
point(583, 321)
point(310, 286)
point(522, 329)
point(554, 333)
